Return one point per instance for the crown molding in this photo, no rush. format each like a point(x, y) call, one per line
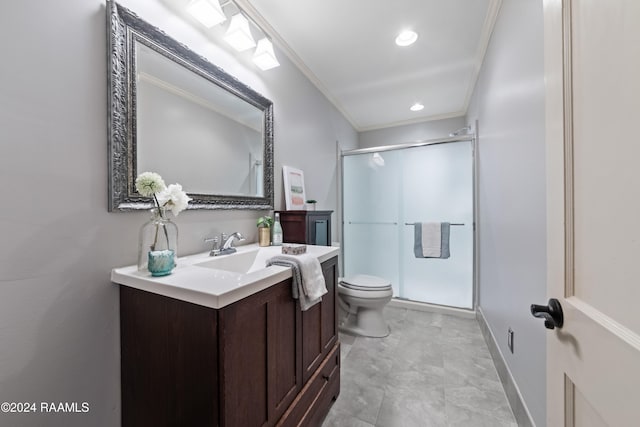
point(283, 46)
point(423, 119)
point(487, 31)
point(485, 37)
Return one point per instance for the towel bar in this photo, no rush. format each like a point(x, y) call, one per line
point(453, 223)
point(372, 223)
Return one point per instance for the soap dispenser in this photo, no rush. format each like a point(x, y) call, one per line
point(276, 239)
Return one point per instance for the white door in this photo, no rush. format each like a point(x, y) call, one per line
point(592, 73)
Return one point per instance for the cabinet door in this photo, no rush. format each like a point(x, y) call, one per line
point(285, 358)
point(319, 324)
point(319, 228)
point(329, 321)
point(169, 361)
point(259, 361)
point(294, 226)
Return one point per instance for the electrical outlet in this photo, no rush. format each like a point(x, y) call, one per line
point(510, 339)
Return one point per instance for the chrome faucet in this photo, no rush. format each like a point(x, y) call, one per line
point(226, 246)
point(223, 246)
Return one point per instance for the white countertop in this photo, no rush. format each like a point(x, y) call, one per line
point(211, 287)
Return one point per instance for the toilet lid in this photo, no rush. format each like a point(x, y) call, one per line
point(364, 282)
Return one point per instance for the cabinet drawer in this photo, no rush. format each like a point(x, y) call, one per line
point(330, 379)
point(313, 401)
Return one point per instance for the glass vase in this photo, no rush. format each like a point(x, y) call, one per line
point(158, 244)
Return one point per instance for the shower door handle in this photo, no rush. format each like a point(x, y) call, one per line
point(551, 313)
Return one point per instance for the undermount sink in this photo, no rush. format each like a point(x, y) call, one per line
point(244, 261)
point(239, 262)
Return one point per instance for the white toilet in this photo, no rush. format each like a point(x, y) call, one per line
point(361, 299)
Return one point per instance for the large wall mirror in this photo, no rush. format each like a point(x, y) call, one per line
point(174, 113)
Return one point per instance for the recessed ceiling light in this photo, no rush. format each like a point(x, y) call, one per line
point(406, 38)
point(416, 107)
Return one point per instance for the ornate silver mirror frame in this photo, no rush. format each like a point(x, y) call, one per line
point(125, 29)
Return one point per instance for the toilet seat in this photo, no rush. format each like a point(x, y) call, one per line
point(369, 294)
point(364, 282)
point(362, 299)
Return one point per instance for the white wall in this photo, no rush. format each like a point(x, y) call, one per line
point(410, 133)
point(203, 150)
point(59, 321)
point(508, 102)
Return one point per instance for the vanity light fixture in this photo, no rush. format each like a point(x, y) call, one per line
point(264, 57)
point(416, 107)
point(406, 38)
point(238, 34)
point(208, 12)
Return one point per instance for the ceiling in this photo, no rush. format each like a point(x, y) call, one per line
point(347, 49)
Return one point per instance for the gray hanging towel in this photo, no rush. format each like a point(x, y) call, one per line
point(431, 240)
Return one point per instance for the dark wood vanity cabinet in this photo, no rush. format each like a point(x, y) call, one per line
point(319, 325)
point(257, 347)
point(257, 362)
point(310, 227)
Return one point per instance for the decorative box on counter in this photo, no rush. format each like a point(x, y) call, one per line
point(293, 248)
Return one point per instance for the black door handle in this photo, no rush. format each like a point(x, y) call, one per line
point(552, 313)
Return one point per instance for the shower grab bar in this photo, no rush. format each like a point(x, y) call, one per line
point(364, 222)
point(453, 223)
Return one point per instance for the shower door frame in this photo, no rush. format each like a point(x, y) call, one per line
point(474, 184)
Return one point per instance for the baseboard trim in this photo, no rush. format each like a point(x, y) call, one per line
point(520, 411)
point(423, 306)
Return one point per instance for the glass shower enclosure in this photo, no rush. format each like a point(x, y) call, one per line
point(388, 189)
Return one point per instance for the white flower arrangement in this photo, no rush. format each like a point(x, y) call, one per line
point(172, 197)
point(150, 184)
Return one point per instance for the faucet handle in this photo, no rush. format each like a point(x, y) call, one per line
point(216, 243)
point(223, 238)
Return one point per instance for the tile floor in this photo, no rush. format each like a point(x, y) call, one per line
point(432, 370)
